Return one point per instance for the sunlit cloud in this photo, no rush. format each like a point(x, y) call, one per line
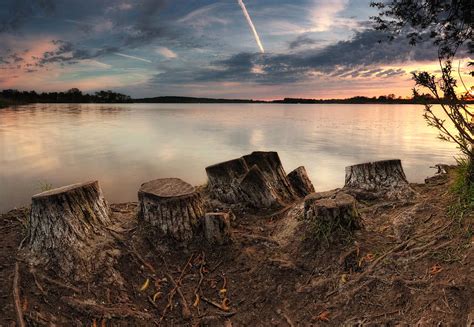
point(167, 53)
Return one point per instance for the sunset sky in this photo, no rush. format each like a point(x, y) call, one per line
point(312, 48)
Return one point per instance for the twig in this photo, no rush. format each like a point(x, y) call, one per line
point(142, 260)
point(215, 304)
point(60, 284)
point(16, 297)
point(112, 311)
point(184, 304)
point(288, 320)
point(175, 288)
point(38, 285)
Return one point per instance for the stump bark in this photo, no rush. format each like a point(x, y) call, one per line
point(66, 228)
point(271, 167)
point(378, 179)
point(331, 216)
point(171, 207)
point(216, 228)
point(256, 191)
point(257, 180)
point(300, 182)
point(224, 179)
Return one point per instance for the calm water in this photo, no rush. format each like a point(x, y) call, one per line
point(125, 145)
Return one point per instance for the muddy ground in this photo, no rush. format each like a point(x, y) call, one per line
point(412, 264)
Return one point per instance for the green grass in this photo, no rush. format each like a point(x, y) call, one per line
point(462, 208)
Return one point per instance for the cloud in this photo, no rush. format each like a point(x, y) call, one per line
point(167, 53)
point(360, 57)
point(18, 12)
point(203, 17)
point(301, 41)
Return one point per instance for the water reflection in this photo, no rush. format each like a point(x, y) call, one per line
point(124, 145)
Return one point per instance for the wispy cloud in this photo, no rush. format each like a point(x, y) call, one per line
point(132, 57)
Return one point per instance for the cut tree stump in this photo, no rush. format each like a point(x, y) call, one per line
point(224, 179)
point(66, 227)
point(256, 191)
point(271, 167)
point(331, 215)
point(378, 179)
point(257, 180)
point(300, 182)
point(216, 228)
point(171, 207)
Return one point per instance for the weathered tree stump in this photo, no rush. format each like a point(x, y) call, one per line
point(300, 182)
point(65, 227)
point(271, 167)
point(257, 180)
point(331, 216)
point(378, 179)
point(224, 179)
point(216, 228)
point(256, 191)
point(171, 207)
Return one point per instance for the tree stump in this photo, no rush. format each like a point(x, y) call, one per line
point(171, 207)
point(65, 227)
point(331, 216)
point(256, 191)
point(217, 228)
point(378, 179)
point(271, 167)
point(300, 182)
point(224, 179)
point(257, 180)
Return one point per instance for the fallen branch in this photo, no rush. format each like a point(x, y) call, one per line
point(16, 297)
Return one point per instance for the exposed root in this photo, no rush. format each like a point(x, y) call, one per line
point(99, 310)
point(16, 297)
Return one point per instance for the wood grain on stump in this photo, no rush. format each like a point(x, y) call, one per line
point(331, 215)
point(216, 228)
point(257, 180)
point(271, 167)
point(378, 179)
point(224, 179)
point(65, 227)
point(171, 207)
point(256, 191)
point(300, 182)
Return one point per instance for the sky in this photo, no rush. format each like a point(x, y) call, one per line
point(260, 49)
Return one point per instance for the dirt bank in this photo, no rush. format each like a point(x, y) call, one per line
point(412, 264)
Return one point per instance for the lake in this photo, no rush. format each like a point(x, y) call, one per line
point(124, 145)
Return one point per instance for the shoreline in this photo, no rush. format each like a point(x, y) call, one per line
point(409, 259)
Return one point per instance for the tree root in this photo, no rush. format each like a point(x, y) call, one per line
point(60, 284)
point(16, 297)
point(113, 311)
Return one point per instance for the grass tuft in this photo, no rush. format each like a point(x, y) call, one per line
point(462, 208)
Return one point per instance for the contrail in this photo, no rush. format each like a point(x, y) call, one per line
point(131, 57)
point(252, 27)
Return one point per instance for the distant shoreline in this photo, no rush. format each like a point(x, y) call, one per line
point(14, 97)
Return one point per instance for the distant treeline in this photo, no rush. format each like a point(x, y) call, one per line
point(70, 96)
point(176, 99)
point(10, 97)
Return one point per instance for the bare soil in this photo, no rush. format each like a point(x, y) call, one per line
point(411, 264)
